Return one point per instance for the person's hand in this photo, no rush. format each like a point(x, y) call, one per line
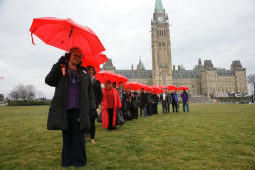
point(124, 92)
point(62, 60)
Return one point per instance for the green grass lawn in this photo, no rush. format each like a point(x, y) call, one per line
point(211, 136)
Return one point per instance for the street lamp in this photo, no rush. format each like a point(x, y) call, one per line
point(234, 95)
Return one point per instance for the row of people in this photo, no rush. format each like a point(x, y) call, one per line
point(77, 90)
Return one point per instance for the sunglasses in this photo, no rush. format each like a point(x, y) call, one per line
point(76, 55)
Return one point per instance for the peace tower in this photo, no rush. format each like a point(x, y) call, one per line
point(161, 47)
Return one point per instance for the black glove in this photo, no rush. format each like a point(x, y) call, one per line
point(62, 61)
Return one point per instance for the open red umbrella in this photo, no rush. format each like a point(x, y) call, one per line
point(94, 61)
point(122, 79)
point(146, 88)
point(133, 85)
point(162, 87)
point(154, 87)
point(183, 88)
point(103, 76)
point(65, 33)
point(158, 91)
point(171, 88)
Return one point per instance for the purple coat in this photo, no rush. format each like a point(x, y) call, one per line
point(185, 96)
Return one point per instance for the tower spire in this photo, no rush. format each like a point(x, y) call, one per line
point(159, 7)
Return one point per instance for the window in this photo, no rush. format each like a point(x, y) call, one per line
point(159, 44)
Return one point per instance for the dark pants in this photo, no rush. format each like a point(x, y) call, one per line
point(168, 107)
point(92, 130)
point(148, 109)
point(174, 104)
point(164, 106)
point(155, 109)
point(73, 152)
point(110, 127)
point(135, 113)
point(131, 113)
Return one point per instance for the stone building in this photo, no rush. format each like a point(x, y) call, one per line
point(204, 79)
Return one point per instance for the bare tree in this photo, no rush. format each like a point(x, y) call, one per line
point(30, 92)
point(23, 92)
point(251, 80)
point(39, 94)
point(15, 94)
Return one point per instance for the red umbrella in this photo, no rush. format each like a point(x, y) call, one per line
point(154, 87)
point(183, 88)
point(146, 88)
point(171, 88)
point(103, 76)
point(94, 61)
point(133, 85)
point(65, 33)
point(162, 87)
point(158, 91)
point(122, 79)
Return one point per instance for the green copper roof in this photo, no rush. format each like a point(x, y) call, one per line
point(159, 7)
point(141, 67)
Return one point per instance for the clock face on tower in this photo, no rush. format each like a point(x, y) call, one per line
point(160, 19)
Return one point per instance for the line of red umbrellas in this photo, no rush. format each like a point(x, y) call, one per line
point(104, 76)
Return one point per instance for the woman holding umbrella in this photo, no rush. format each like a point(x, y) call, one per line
point(98, 99)
point(70, 107)
point(110, 103)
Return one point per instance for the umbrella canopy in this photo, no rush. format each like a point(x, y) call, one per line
point(122, 79)
point(94, 61)
point(65, 33)
point(133, 85)
point(171, 88)
point(158, 91)
point(162, 87)
point(146, 88)
point(154, 87)
point(183, 88)
point(103, 76)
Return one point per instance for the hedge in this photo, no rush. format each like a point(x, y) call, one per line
point(28, 103)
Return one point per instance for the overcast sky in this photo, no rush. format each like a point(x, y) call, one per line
point(218, 30)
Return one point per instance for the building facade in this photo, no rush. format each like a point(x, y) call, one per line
point(204, 79)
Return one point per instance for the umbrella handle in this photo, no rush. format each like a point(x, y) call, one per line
point(63, 69)
point(32, 38)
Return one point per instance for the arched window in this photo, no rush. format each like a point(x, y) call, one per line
point(163, 76)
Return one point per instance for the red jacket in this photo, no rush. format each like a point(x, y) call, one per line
point(104, 108)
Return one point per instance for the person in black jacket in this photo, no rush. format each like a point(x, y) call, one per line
point(124, 100)
point(134, 104)
point(149, 104)
point(71, 104)
point(129, 104)
point(98, 99)
point(143, 102)
point(154, 103)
